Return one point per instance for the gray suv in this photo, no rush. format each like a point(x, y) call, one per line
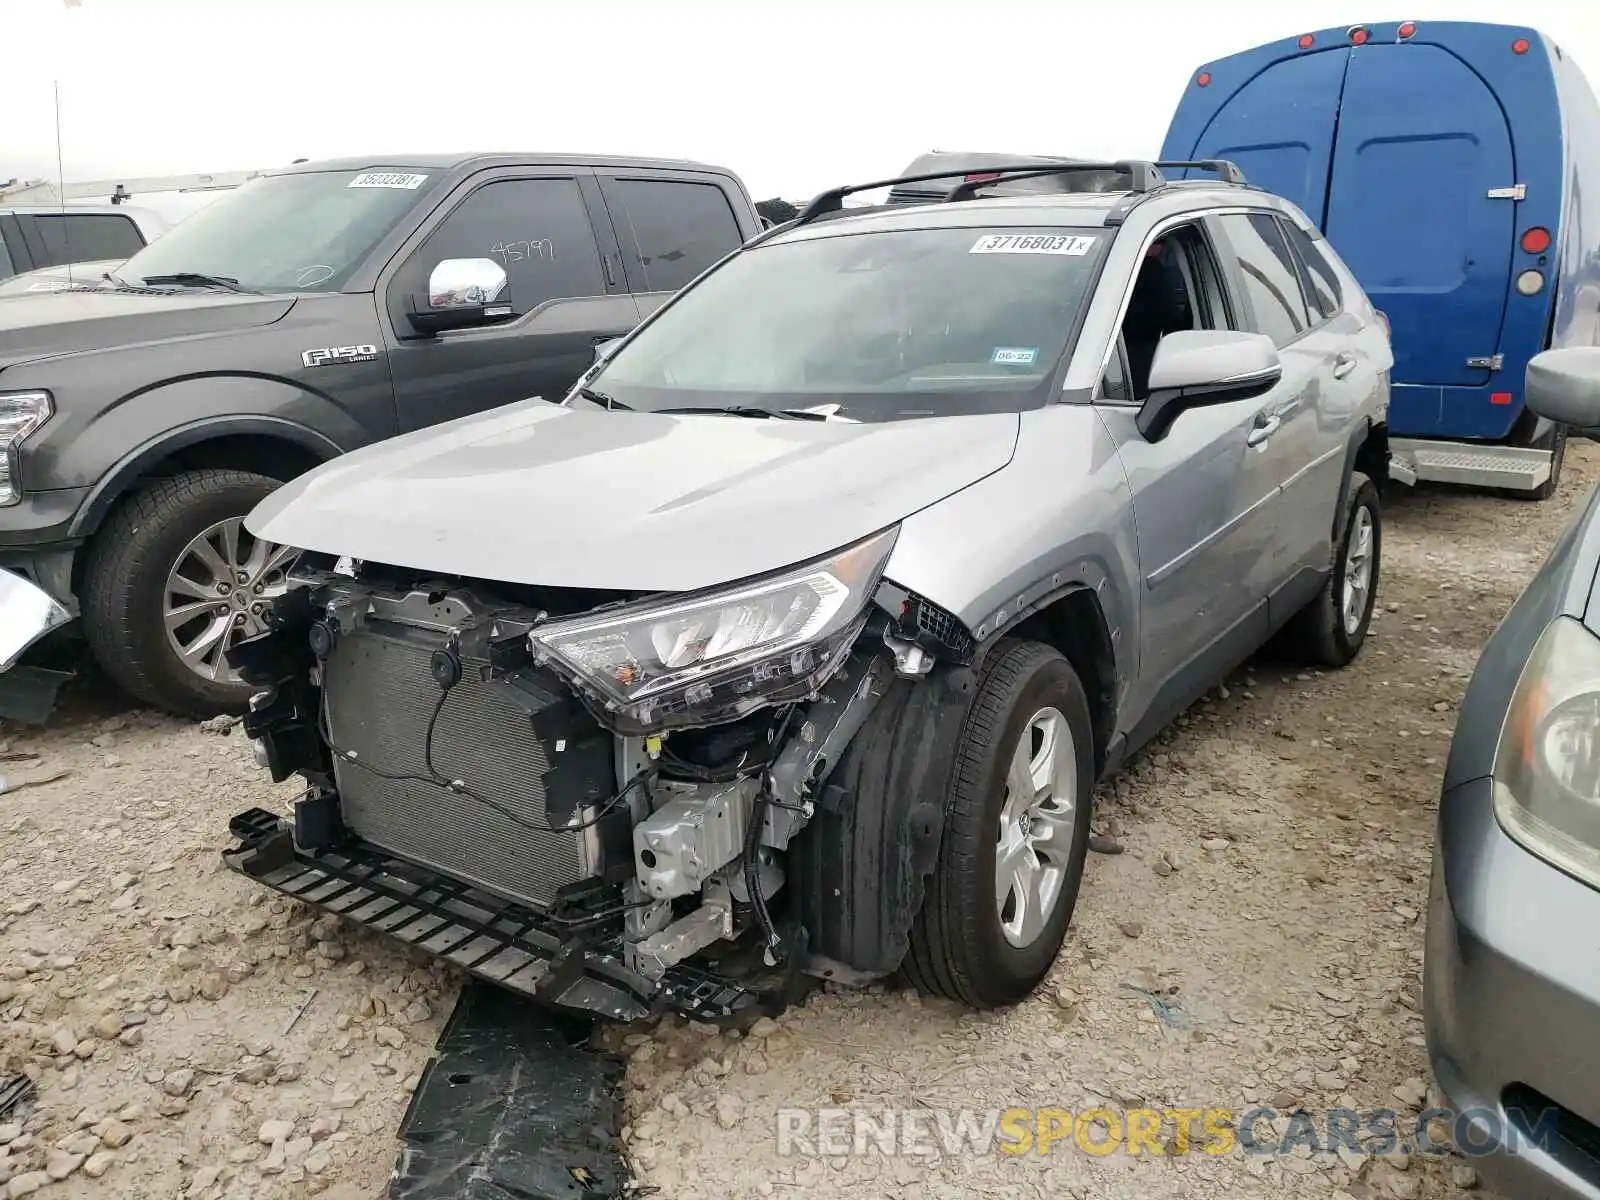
point(792, 643)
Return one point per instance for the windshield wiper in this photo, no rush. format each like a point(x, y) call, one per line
point(750, 410)
point(198, 279)
point(602, 399)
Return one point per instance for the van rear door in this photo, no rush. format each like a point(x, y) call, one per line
point(1421, 143)
point(1280, 127)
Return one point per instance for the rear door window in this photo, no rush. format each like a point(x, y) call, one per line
point(538, 230)
point(86, 237)
point(1271, 276)
point(670, 229)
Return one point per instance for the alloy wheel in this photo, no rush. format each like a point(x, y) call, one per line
point(1036, 826)
point(218, 592)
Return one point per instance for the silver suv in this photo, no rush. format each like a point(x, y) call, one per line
point(792, 643)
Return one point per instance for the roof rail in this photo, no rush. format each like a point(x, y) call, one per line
point(1229, 171)
point(1145, 176)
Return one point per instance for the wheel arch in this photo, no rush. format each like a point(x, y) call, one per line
point(1368, 452)
point(1073, 621)
point(268, 446)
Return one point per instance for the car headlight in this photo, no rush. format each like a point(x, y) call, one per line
point(1547, 762)
point(711, 657)
point(20, 414)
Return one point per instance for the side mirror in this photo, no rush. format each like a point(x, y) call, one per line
point(604, 350)
point(462, 292)
point(1564, 387)
point(1197, 368)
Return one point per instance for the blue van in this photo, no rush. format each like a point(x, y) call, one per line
point(1455, 166)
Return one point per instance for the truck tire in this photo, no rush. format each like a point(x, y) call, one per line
point(175, 552)
point(1558, 457)
point(977, 939)
point(1330, 631)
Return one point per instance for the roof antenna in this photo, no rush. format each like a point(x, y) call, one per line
point(61, 183)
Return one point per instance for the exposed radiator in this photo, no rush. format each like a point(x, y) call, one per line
point(380, 694)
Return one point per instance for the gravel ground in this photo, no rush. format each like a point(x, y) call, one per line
point(1256, 939)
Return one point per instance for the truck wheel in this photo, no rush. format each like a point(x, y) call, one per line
point(1331, 630)
point(172, 580)
point(1558, 456)
point(1016, 831)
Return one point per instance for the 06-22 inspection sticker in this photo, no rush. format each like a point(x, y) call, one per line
point(1033, 243)
point(1014, 356)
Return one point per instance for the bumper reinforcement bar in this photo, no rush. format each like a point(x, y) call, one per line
point(485, 935)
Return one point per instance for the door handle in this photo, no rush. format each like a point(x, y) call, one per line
point(1344, 364)
point(1265, 428)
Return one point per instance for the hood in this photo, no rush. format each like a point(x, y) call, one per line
point(534, 493)
point(53, 279)
point(47, 324)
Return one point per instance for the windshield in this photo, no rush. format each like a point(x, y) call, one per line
point(924, 322)
point(283, 233)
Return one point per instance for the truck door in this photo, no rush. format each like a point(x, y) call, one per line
point(1279, 128)
point(564, 287)
point(670, 228)
point(1421, 144)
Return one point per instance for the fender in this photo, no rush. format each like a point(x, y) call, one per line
point(111, 486)
point(1103, 648)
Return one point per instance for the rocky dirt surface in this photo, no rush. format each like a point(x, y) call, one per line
point(1252, 936)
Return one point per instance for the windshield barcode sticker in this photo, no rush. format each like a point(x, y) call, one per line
point(1029, 243)
point(387, 179)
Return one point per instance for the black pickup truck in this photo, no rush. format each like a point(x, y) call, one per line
point(316, 309)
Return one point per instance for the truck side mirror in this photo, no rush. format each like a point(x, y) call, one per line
point(462, 293)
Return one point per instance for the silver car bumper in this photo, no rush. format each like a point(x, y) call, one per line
point(27, 613)
point(1512, 999)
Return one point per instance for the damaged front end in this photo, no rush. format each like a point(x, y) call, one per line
point(585, 797)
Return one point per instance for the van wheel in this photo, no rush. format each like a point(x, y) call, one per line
point(1331, 630)
point(173, 580)
point(1558, 457)
point(1011, 858)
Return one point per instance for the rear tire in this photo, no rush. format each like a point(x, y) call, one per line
point(126, 596)
point(1330, 631)
point(1558, 458)
point(977, 939)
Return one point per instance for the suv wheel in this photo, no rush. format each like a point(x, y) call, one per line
point(173, 580)
point(1331, 630)
point(1016, 831)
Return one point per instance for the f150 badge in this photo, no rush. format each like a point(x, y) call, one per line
point(327, 356)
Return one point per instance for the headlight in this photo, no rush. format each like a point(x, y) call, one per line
point(1547, 763)
point(20, 414)
point(712, 657)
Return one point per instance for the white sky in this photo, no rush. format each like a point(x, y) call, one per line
point(792, 96)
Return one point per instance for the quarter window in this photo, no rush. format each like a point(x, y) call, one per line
point(1271, 277)
point(1321, 284)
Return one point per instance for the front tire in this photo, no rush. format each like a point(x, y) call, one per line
point(1011, 858)
point(172, 580)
